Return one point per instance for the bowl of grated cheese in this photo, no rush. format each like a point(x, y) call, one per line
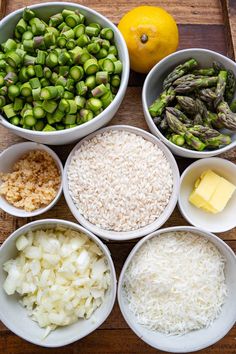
point(58, 282)
point(177, 289)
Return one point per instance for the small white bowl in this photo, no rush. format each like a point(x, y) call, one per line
point(8, 158)
point(153, 86)
point(219, 222)
point(15, 317)
point(195, 340)
point(66, 136)
point(125, 235)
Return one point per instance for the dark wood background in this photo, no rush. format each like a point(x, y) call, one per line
point(202, 23)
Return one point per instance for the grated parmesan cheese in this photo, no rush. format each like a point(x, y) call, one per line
point(175, 283)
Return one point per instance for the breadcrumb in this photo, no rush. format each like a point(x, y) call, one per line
point(33, 183)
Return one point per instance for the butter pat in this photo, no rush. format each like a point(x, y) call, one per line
point(211, 192)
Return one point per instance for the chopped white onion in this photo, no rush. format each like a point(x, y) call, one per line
point(61, 275)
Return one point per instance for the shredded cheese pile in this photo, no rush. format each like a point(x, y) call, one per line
point(175, 283)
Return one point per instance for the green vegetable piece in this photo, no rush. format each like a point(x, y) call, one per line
point(9, 110)
point(49, 106)
point(15, 120)
point(94, 104)
point(48, 128)
point(13, 91)
point(91, 67)
point(76, 72)
point(39, 125)
point(25, 89)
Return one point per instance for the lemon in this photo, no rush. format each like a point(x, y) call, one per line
point(151, 34)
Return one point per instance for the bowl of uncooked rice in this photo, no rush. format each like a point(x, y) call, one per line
point(121, 182)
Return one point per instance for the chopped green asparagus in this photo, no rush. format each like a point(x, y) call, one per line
point(59, 73)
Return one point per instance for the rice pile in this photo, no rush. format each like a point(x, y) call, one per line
point(119, 181)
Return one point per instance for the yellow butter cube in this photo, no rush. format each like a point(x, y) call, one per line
point(196, 199)
point(204, 188)
point(222, 195)
point(211, 192)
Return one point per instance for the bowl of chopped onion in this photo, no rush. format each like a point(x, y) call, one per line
point(58, 282)
point(177, 289)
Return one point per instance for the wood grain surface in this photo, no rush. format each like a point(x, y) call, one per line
point(205, 24)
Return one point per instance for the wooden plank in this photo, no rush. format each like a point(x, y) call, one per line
point(3, 4)
point(120, 341)
point(229, 15)
point(186, 11)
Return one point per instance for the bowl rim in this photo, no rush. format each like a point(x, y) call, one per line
point(139, 244)
point(148, 118)
point(33, 146)
point(188, 170)
point(125, 235)
point(125, 69)
point(104, 248)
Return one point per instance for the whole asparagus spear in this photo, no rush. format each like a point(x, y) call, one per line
point(187, 104)
point(184, 78)
point(220, 87)
point(201, 116)
point(204, 72)
point(194, 141)
point(158, 106)
point(194, 84)
point(230, 86)
point(179, 71)
point(231, 81)
point(218, 141)
point(180, 115)
point(209, 136)
point(207, 95)
point(175, 124)
point(203, 132)
point(217, 66)
point(179, 128)
point(226, 116)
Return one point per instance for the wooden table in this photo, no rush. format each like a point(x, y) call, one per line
point(206, 24)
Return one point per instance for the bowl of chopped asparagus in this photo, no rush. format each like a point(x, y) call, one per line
point(64, 70)
point(189, 102)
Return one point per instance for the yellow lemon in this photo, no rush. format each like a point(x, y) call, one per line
point(151, 34)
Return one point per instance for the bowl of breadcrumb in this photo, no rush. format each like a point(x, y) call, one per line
point(30, 179)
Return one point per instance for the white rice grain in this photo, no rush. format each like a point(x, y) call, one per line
point(119, 181)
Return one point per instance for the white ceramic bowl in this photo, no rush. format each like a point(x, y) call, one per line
point(153, 87)
point(15, 317)
point(195, 340)
point(74, 134)
point(219, 222)
point(8, 158)
point(125, 235)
